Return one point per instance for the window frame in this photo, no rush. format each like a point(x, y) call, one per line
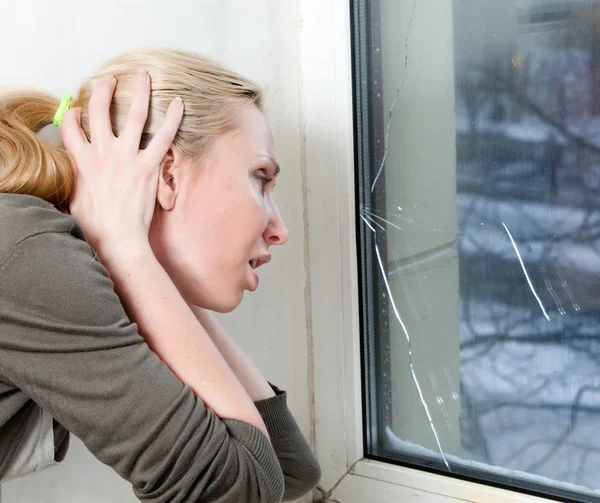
point(332, 281)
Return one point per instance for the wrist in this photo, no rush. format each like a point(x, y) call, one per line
point(124, 252)
point(203, 316)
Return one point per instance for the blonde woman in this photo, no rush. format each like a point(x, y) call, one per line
point(114, 249)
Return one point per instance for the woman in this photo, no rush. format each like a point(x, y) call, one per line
point(108, 279)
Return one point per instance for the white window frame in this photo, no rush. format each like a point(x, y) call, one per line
point(332, 295)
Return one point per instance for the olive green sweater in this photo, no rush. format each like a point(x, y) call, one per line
point(71, 361)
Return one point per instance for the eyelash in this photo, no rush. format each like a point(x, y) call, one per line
point(264, 180)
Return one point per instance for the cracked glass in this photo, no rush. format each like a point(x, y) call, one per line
point(478, 218)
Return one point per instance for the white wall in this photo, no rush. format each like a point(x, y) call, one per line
point(55, 45)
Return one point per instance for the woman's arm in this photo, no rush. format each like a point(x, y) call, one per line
point(300, 468)
point(66, 342)
point(172, 331)
point(246, 372)
point(114, 202)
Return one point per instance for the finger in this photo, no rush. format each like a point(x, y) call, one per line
point(163, 139)
point(99, 111)
point(138, 112)
point(73, 136)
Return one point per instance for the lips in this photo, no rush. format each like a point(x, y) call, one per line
point(257, 262)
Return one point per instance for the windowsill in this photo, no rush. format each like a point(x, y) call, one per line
point(438, 487)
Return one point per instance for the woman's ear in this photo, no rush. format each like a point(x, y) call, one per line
point(169, 182)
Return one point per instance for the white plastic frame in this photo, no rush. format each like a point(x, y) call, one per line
point(332, 282)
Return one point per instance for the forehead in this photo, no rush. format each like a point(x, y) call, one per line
point(249, 144)
point(253, 132)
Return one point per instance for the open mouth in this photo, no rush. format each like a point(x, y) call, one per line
point(257, 262)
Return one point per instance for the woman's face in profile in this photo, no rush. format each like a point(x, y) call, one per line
point(224, 219)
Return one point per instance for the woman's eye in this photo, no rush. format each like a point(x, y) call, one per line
point(264, 180)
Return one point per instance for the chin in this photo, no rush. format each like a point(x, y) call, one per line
point(224, 308)
point(206, 295)
point(219, 304)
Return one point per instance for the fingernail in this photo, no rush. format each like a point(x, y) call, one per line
point(178, 102)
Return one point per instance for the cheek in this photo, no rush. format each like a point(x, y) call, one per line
point(221, 229)
point(249, 207)
point(240, 229)
point(246, 223)
point(261, 213)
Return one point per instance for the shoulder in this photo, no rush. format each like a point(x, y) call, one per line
point(47, 266)
point(23, 217)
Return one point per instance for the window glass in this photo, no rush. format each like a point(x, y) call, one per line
point(478, 191)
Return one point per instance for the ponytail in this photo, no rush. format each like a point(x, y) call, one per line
point(28, 164)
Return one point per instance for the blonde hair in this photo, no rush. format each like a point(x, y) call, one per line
point(30, 165)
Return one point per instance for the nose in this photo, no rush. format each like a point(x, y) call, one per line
point(276, 232)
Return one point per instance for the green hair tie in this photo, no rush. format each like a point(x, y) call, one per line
point(62, 109)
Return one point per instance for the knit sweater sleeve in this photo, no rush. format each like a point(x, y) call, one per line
point(300, 468)
point(66, 341)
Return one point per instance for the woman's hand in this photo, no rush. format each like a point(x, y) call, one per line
point(116, 185)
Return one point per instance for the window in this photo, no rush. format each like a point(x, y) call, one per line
point(477, 136)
